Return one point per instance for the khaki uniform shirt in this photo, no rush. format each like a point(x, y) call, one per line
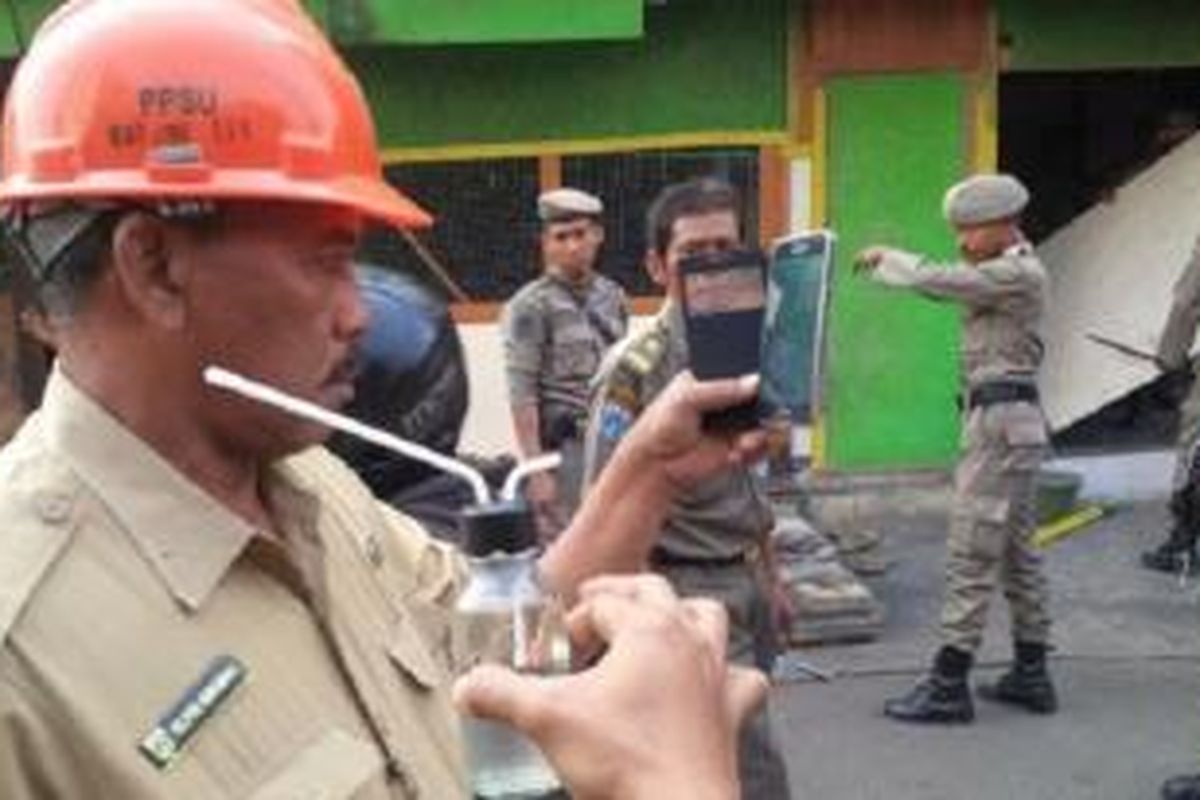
point(1002, 301)
point(1179, 332)
point(721, 518)
point(122, 584)
point(555, 336)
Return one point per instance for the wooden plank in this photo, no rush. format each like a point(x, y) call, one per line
point(773, 204)
point(473, 313)
point(549, 172)
point(899, 35)
point(12, 410)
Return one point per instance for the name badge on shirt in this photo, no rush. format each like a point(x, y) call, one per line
point(163, 744)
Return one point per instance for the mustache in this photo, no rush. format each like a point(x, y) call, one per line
point(347, 368)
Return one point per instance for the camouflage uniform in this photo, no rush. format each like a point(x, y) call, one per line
point(711, 536)
point(995, 504)
point(555, 335)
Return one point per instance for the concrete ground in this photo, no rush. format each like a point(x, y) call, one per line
point(1126, 665)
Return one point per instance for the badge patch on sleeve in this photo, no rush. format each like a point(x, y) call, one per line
point(614, 421)
point(165, 741)
point(525, 327)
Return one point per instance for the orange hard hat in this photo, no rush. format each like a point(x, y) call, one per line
point(191, 99)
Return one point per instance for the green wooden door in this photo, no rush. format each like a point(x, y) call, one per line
point(895, 144)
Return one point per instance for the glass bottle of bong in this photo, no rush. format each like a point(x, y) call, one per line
point(505, 617)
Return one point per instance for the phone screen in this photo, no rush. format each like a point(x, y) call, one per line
point(724, 303)
point(725, 291)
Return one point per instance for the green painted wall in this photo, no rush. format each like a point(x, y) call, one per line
point(18, 21)
point(895, 144)
point(459, 21)
point(703, 65)
point(1060, 35)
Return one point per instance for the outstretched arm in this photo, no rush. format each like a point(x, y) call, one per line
point(981, 285)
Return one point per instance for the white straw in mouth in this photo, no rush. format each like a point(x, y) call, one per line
point(269, 395)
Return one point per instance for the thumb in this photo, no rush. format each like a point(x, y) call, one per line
point(718, 394)
point(493, 692)
point(745, 692)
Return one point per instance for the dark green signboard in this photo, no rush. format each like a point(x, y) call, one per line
point(480, 21)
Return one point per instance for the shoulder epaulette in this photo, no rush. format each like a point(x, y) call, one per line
point(36, 522)
point(643, 354)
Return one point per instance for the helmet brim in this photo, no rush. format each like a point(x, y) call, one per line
point(375, 199)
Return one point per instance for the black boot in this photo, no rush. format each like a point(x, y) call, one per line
point(1178, 553)
point(1171, 557)
point(1183, 787)
point(942, 697)
point(1027, 684)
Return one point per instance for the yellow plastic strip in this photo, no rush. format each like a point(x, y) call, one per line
point(671, 141)
point(819, 218)
point(817, 441)
point(986, 136)
point(1055, 531)
point(820, 160)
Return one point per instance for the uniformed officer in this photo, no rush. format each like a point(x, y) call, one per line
point(1178, 552)
point(556, 329)
point(1001, 289)
point(717, 532)
point(197, 600)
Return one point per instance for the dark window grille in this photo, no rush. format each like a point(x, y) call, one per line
point(485, 234)
point(486, 231)
point(629, 182)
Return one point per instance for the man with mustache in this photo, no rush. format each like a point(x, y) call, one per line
point(556, 330)
point(196, 598)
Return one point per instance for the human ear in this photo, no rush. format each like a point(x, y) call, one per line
point(146, 269)
point(656, 268)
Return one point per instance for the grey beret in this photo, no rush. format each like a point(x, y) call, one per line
point(984, 198)
point(565, 203)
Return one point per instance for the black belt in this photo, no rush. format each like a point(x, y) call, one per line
point(663, 558)
point(561, 428)
point(996, 392)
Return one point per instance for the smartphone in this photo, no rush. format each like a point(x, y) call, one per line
point(724, 305)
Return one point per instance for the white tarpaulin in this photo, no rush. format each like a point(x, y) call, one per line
point(1111, 273)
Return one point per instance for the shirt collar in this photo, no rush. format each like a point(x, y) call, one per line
point(554, 273)
point(189, 539)
point(670, 318)
point(1021, 248)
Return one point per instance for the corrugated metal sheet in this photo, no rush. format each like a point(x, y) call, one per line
point(1111, 273)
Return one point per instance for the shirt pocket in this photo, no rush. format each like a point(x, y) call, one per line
point(1023, 426)
point(411, 656)
point(334, 766)
point(575, 357)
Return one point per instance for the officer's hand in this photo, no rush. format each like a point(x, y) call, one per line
point(542, 493)
point(868, 259)
point(1176, 383)
point(669, 436)
point(783, 607)
point(656, 717)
